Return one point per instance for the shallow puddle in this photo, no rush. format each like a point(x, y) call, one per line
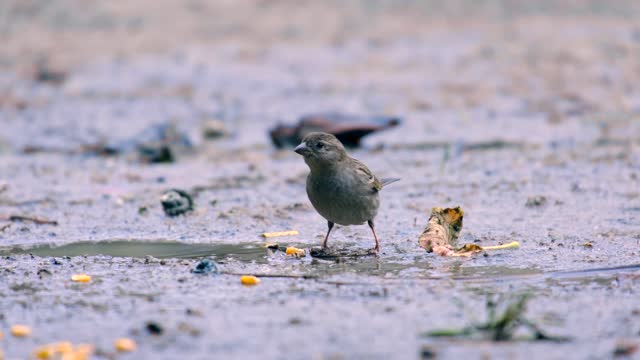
point(233, 255)
point(131, 248)
point(230, 254)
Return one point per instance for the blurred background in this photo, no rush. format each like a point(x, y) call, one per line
point(556, 59)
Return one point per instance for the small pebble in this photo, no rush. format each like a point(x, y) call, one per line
point(176, 202)
point(214, 129)
point(206, 266)
point(625, 349)
point(154, 328)
point(427, 353)
point(535, 201)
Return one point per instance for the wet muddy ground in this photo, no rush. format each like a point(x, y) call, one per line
point(529, 122)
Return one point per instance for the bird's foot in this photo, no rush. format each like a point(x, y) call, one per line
point(375, 251)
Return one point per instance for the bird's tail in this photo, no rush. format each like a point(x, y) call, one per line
point(387, 181)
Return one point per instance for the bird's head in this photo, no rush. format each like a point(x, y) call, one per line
point(321, 150)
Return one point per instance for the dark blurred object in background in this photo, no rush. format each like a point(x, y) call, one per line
point(159, 143)
point(348, 128)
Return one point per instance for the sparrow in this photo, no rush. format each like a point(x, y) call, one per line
point(341, 189)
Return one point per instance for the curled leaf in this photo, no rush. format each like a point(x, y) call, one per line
point(442, 230)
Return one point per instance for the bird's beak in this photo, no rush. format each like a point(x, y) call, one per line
point(302, 149)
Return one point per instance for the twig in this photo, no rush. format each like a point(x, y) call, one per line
point(291, 276)
point(332, 254)
point(346, 283)
point(464, 332)
point(34, 219)
point(280, 233)
point(538, 334)
point(24, 202)
point(511, 245)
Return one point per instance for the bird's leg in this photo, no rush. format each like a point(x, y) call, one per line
point(377, 248)
point(324, 243)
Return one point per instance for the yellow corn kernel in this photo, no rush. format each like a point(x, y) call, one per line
point(51, 350)
point(20, 331)
point(44, 352)
point(62, 347)
point(68, 356)
point(80, 278)
point(249, 280)
point(280, 233)
point(81, 352)
point(125, 345)
point(295, 251)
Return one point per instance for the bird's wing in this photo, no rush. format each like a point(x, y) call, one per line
point(367, 176)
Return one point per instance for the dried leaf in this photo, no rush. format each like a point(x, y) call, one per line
point(442, 230)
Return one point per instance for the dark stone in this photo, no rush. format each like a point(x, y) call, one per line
point(154, 328)
point(206, 266)
point(176, 202)
point(157, 144)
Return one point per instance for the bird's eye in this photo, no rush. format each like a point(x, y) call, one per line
point(319, 145)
